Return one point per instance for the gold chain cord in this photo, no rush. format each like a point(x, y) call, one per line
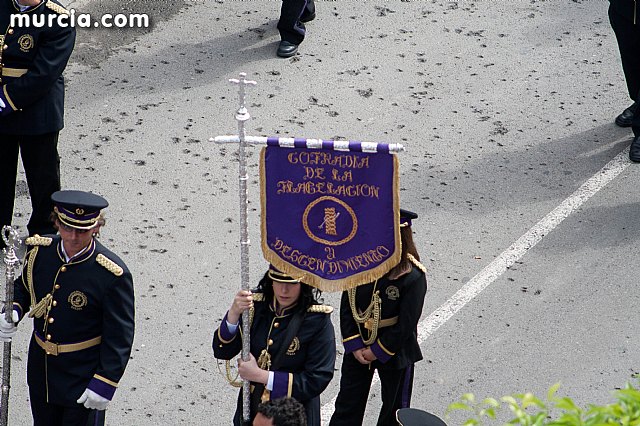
point(372, 310)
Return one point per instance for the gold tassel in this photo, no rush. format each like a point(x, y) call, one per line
point(264, 360)
point(42, 307)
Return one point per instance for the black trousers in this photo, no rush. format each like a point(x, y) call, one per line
point(355, 384)
point(628, 36)
point(289, 25)
point(42, 166)
point(46, 414)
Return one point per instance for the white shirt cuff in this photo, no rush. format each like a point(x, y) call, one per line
point(232, 327)
point(269, 384)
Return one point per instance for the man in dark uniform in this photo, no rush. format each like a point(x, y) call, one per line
point(80, 296)
point(624, 16)
point(379, 323)
point(293, 15)
point(32, 59)
point(293, 349)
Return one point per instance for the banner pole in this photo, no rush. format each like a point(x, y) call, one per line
point(11, 261)
point(242, 116)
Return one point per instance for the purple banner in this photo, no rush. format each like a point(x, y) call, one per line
point(330, 218)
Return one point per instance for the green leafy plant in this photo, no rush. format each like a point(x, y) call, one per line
point(528, 410)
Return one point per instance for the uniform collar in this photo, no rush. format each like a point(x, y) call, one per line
point(85, 254)
point(282, 312)
point(21, 8)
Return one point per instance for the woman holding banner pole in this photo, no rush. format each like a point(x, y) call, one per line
point(292, 343)
point(379, 322)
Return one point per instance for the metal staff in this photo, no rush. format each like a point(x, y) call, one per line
point(242, 115)
point(11, 261)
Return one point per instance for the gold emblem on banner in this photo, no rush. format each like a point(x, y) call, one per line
point(26, 42)
point(78, 300)
point(329, 223)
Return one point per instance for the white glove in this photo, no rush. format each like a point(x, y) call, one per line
point(8, 330)
point(2, 104)
point(93, 401)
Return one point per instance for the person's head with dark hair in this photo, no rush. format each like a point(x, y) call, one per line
point(286, 290)
point(280, 412)
point(408, 246)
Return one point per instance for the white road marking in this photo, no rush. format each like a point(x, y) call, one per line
point(506, 259)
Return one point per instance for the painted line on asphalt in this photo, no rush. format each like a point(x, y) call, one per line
point(506, 259)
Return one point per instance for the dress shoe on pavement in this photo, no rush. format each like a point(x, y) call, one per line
point(286, 49)
point(308, 17)
point(625, 119)
point(634, 150)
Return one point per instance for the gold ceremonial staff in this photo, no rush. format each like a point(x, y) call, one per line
point(11, 261)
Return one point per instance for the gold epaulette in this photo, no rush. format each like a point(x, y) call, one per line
point(57, 8)
point(417, 263)
point(320, 309)
point(109, 265)
point(258, 297)
point(37, 240)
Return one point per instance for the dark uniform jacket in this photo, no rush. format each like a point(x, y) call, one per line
point(33, 59)
point(91, 296)
point(305, 369)
point(401, 301)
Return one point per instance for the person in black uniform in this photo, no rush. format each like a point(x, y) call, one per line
point(379, 322)
point(293, 348)
point(80, 296)
point(624, 16)
point(32, 60)
point(293, 15)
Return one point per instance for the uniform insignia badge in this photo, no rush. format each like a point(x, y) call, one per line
point(392, 292)
point(78, 300)
point(79, 211)
point(294, 346)
point(26, 42)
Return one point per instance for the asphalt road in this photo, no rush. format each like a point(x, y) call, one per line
point(505, 108)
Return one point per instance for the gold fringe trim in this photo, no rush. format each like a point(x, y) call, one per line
point(109, 265)
point(320, 309)
point(37, 240)
point(57, 8)
point(417, 263)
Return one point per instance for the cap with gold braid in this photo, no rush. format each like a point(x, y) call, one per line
point(406, 217)
point(280, 277)
point(78, 209)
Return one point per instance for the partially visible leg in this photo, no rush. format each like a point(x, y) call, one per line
point(292, 30)
point(396, 387)
point(351, 402)
point(42, 166)
point(44, 414)
point(8, 171)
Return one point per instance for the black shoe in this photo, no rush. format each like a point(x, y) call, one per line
point(307, 17)
point(286, 49)
point(634, 150)
point(626, 118)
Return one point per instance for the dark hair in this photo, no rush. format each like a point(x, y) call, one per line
point(284, 412)
point(408, 247)
point(308, 295)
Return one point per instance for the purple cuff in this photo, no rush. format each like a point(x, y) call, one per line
point(380, 352)
point(101, 386)
point(223, 331)
point(282, 384)
point(7, 107)
point(352, 344)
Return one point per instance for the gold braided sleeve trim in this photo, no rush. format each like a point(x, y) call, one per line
point(320, 309)
point(57, 8)
point(258, 297)
point(37, 240)
point(109, 265)
point(417, 263)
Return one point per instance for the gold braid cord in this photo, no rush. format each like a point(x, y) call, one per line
point(233, 381)
point(371, 314)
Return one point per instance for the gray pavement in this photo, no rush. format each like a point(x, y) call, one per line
point(505, 108)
